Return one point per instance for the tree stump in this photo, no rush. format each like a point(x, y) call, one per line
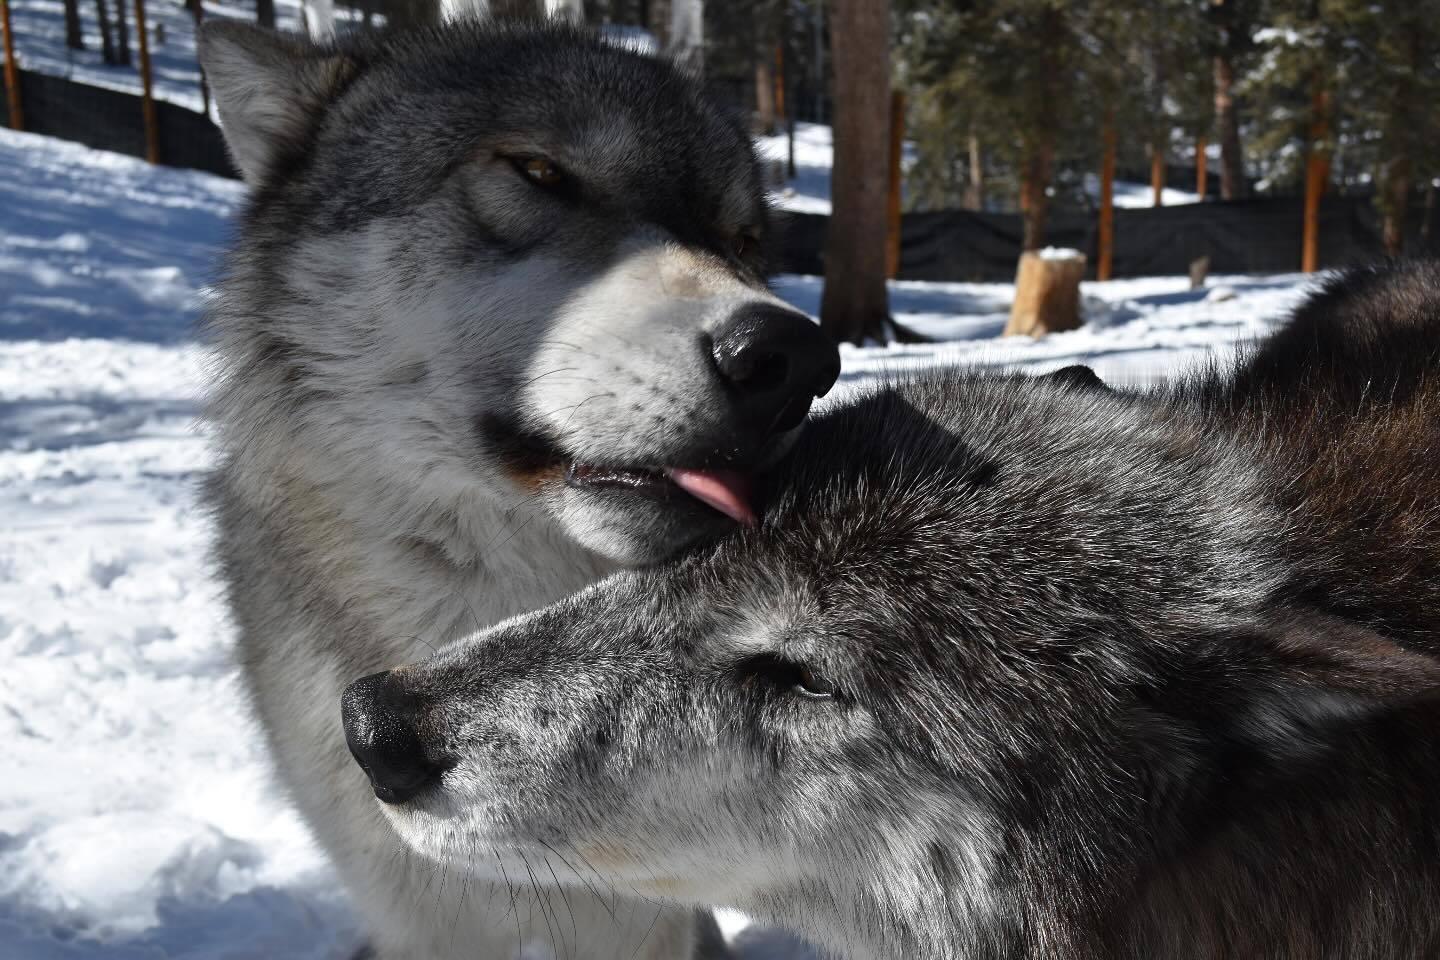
point(1047, 293)
point(1199, 272)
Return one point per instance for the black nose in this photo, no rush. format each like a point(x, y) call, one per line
point(775, 361)
point(380, 728)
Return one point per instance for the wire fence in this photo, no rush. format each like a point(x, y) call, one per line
point(1260, 235)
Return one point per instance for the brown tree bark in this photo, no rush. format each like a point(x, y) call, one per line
point(107, 47)
point(855, 303)
point(975, 192)
point(764, 90)
point(1317, 172)
point(1105, 267)
point(895, 179)
point(122, 33)
point(74, 36)
point(1035, 192)
point(1397, 198)
point(1038, 165)
point(12, 70)
point(1202, 171)
point(1157, 174)
point(1232, 166)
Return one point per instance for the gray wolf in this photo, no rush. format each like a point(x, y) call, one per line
point(494, 324)
point(1012, 667)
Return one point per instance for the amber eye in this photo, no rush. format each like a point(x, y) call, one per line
point(540, 170)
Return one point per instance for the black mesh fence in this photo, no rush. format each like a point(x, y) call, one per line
point(1245, 236)
point(112, 120)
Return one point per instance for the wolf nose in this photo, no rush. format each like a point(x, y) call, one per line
point(775, 361)
point(380, 720)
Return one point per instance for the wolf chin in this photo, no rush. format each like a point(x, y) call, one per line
point(494, 324)
point(1013, 667)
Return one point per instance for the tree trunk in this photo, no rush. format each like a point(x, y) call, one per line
point(855, 305)
point(1157, 173)
point(1039, 157)
point(122, 33)
point(1105, 268)
point(1316, 173)
point(975, 192)
point(1397, 198)
point(893, 197)
point(265, 13)
point(1232, 165)
point(12, 70)
point(1202, 172)
point(764, 91)
point(74, 36)
point(1035, 192)
point(107, 47)
point(147, 86)
point(687, 35)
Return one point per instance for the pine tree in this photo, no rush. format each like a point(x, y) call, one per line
point(1372, 70)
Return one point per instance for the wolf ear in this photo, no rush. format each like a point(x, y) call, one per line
point(269, 89)
point(1077, 376)
point(1314, 674)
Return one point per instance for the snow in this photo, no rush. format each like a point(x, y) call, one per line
point(809, 190)
point(39, 30)
point(138, 817)
point(1130, 195)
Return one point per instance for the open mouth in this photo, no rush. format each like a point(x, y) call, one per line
point(725, 491)
point(534, 461)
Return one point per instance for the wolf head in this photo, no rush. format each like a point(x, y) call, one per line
point(504, 258)
point(993, 639)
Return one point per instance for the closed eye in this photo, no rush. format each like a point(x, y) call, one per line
point(786, 676)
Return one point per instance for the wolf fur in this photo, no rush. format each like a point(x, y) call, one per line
point(1014, 667)
point(414, 341)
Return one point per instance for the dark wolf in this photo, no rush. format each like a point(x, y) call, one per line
point(494, 324)
point(1012, 667)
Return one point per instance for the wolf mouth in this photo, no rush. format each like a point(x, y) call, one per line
point(726, 491)
point(533, 460)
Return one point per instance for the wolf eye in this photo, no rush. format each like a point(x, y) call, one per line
point(743, 246)
point(539, 170)
point(811, 684)
point(787, 676)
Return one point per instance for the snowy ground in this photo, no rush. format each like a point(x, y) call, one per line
point(39, 27)
point(136, 817)
point(809, 190)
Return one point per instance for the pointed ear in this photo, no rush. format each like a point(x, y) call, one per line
point(1312, 676)
point(269, 88)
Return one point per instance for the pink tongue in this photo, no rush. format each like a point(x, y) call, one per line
point(726, 490)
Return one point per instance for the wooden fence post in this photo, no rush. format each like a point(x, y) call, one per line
point(147, 101)
point(12, 71)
